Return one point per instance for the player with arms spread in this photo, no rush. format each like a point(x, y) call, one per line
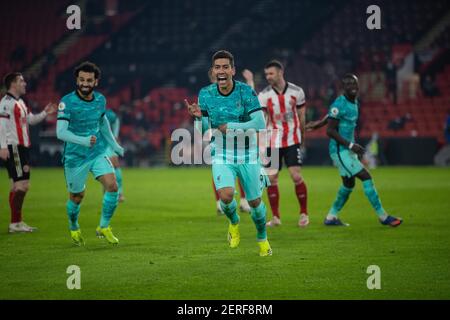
point(232, 107)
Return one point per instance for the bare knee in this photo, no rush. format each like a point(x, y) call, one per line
point(112, 187)
point(226, 195)
point(295, 174)
point(77, 197)
point(297, 178)
point(254, 203)
point(109, 182)
point(348, 182)
point(273, 179)
point(21, 186)
point(364, 175)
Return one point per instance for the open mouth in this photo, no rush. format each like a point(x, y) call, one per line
point(221, 79)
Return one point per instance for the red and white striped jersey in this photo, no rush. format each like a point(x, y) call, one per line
point(14, 120)
point(282, 115)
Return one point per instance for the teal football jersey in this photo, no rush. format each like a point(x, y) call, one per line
point(233, 107)
point(347, 113)
point(84, 120)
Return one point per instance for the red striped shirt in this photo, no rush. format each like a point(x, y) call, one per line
point(283, 118)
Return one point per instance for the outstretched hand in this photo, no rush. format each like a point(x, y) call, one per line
point(193, 109)
point(310, 126)
point(248, 75)
point(50, 108)
point(314, 125)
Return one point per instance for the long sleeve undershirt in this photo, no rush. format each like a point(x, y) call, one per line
point(257, 122)
point(63, 133)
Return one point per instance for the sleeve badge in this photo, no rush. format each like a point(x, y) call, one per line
point(334, 111)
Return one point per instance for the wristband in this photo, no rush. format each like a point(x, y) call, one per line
point(350, 146)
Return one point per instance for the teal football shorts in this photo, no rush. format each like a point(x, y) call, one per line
point(347, 162)
point(252, 177)
point(76, 176)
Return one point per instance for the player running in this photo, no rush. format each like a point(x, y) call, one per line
point(341, 118)
point(284, 106)
point(15, 145)
point(243, 203)
point(232, 108)
point(81, 123)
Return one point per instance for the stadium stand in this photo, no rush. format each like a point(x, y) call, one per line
point(153, 55)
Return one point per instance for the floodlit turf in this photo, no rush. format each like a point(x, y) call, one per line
point(173, 245)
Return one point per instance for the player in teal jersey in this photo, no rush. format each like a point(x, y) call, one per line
point(85, 130)
point(113, 156)
point(243, 203)
point(341, 118)
point(232, 109)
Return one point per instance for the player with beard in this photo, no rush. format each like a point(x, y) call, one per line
point(284, 105)
point(81, 123)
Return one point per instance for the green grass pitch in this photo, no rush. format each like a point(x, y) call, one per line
point(173, 245)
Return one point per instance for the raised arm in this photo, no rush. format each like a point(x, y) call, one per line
point(201, 122)
point(248, 76)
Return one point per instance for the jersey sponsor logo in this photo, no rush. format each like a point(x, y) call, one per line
point(334, 111)
point(61, 106)
point(284, 117)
